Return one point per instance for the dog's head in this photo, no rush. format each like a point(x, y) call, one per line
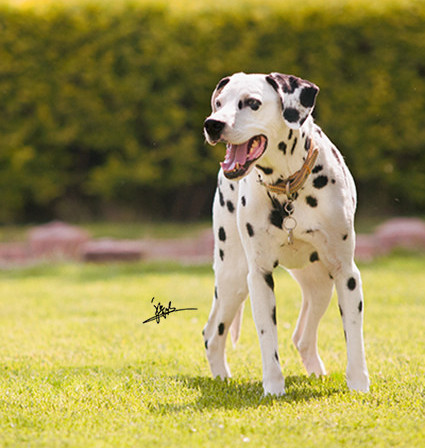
point(248, 110)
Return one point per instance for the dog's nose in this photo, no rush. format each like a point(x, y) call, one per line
point(214, 128)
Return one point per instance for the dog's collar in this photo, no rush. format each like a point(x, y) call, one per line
point(296, 181)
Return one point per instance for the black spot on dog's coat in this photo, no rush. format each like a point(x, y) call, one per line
point(345, 237)
point(230, 206)
point(307, 143)
point(290, 84)
point(307, 96)
point(221, 197)
point(314, 257)
point(221, 329)
point(222, 83)
point(243, 201)
point(276, 218)
point(293, 146)
point(265, 170)
point(221, 234)
point(268, 277)
point(276, 356)
point(206, 344)
point(276, 264)
point(360, 306)
point(249, 229)
point(273, 83)
point(291, 115)
point(316, 169)
point(221, 253)
point(282, 147)
point(274, 315)
point(340, 311)
point(320, 182)
point(351, 284)
point(311, 201)
point(278, 212)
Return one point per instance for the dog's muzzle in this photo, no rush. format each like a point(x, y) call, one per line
point(239, 158)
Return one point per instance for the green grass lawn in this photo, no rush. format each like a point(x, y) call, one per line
point(79, 369)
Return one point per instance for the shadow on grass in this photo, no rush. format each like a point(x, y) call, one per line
point(234, 394)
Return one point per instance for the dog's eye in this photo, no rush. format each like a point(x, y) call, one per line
point(217, 104)
point(253, 103)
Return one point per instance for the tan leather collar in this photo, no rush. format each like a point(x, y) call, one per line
point(296, 181)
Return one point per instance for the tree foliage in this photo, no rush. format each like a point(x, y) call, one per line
point(105, 106)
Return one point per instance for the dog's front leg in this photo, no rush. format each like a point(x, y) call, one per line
point(263, 304)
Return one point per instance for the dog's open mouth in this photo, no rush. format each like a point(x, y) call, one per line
point(240, 157)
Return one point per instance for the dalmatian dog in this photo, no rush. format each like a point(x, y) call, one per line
point(284, 197)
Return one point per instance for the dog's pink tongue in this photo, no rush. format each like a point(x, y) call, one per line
point(235, 154)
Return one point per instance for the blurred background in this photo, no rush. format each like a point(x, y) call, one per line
point(102, 102)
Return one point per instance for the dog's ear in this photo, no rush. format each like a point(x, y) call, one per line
point(297, 97)
point(217, 90)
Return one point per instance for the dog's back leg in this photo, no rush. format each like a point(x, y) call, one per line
point(231, 271)
point(350, 298)
point(337, 255)
point(316, 286)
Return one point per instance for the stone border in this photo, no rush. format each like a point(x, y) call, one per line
point(60, 241)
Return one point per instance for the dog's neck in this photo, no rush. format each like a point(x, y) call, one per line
point(286, 153)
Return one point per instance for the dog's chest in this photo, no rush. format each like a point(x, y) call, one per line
point(269, 216)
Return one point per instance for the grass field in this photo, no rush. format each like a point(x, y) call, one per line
point(79, 369)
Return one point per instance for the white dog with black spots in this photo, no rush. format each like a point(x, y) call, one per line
point(266, 123)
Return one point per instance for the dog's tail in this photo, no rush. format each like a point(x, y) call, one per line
point(235, 327)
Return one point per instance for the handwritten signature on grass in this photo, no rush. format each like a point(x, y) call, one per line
point(164, 311)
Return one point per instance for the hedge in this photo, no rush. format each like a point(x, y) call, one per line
point(102, 108)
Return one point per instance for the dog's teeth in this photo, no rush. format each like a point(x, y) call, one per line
point(254, 145)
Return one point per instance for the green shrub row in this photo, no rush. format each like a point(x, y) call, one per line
point(104, 107)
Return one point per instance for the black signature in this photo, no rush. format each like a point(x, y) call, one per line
point(163, 311)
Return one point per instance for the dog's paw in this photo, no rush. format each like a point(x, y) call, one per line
point(222, 376)
point(220, 369)
point(314, 366)
point(275, 388)
point(359, 383)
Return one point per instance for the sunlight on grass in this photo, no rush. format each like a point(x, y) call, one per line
point(78, 367)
